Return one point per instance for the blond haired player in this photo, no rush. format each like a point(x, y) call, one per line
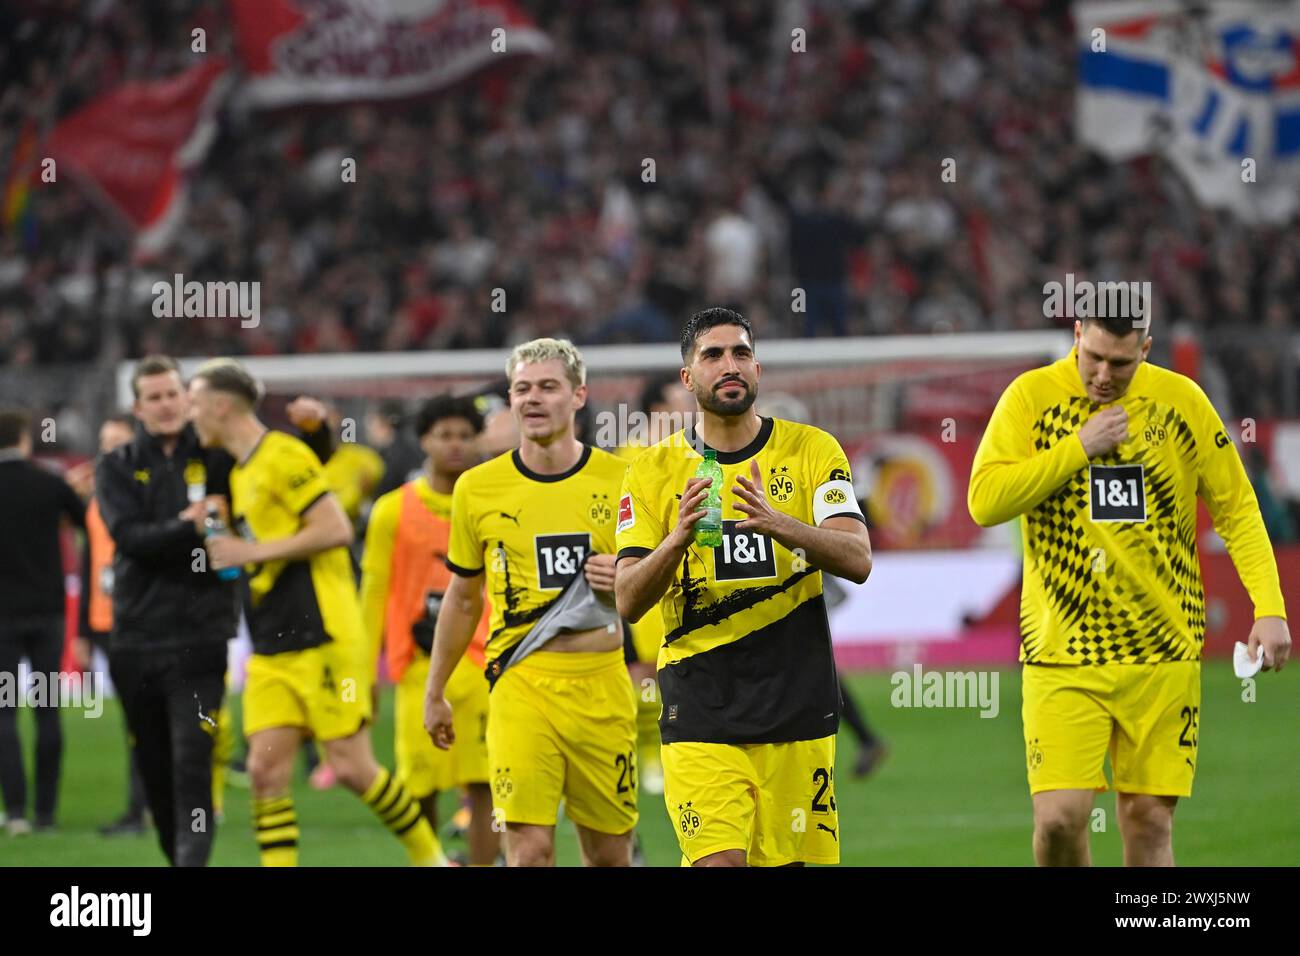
point(1105, 456)
point(404, 580)
point(747, 680)
point(538, 524)
point(307, 675)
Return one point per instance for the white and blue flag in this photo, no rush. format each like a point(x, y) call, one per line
point(1214, 90)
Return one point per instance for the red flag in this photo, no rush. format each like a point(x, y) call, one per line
point(132, 148)
point(329, 51)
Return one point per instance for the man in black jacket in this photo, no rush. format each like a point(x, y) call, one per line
point(32, 504)
point(172, 615)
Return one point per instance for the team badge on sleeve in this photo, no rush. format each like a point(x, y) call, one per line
point(834, 497)
point(626, 513)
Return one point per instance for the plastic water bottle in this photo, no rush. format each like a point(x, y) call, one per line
point(212, 527)
point(708, 530)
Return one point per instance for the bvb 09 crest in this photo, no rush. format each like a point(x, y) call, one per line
point(195, 473)
point(600, 510)
point(780, 486)
point(688, 821)
point(502, 785)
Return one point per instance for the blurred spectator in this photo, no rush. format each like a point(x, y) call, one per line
point(821, 240)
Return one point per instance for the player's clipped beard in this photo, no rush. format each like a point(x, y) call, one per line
point(711, 401)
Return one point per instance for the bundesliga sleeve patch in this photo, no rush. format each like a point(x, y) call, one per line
point(626, 513)
point(834, 498)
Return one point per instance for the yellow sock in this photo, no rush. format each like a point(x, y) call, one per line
point(393, 804)
point(276, 823)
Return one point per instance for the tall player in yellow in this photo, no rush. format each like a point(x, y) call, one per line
point(539, 523)
point(747, 680)
point(307, 675)
point(1105, 455)
point(404, 580)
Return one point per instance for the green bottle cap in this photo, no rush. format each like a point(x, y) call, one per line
point(710, 454)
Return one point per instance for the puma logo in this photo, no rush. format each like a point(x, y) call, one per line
point(514, 517)
point(831, 831)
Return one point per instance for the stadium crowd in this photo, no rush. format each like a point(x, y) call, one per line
point(773, 170)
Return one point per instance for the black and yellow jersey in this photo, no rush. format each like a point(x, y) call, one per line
point(747, 645)
point(530, 532)
point(1111, 573)
point(291, 605)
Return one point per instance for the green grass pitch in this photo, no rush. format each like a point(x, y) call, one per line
point(952, 792)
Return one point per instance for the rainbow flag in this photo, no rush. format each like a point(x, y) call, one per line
point(17, 204)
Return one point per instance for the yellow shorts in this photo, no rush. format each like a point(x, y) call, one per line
point(324, 690)
point(774, 801)
point(1146, 715)
point(423, 767)
point(564, 725)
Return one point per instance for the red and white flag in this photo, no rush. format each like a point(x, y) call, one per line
point(330, 51)
point(133, 148)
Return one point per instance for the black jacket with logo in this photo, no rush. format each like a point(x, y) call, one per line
point(159, 599)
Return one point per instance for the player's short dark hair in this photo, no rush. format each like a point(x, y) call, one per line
point(227, 375)
point(14, 424)
point(652, 392)
point(447, 406)
point(152, 365)
point(119, 418)
point(1120, 326)
point(702, 321)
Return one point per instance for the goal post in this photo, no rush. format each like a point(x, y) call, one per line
point(848, 386)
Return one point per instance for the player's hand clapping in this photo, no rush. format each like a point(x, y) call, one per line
point(1105, 431)
point(753, 502)
point(689, 512)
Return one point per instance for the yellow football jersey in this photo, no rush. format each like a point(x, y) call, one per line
point(628, 453)
point(1111, 571)
point(531, 533)
point(747, 649)
point(352, 473)
point(647, 634)
point(291, 605)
